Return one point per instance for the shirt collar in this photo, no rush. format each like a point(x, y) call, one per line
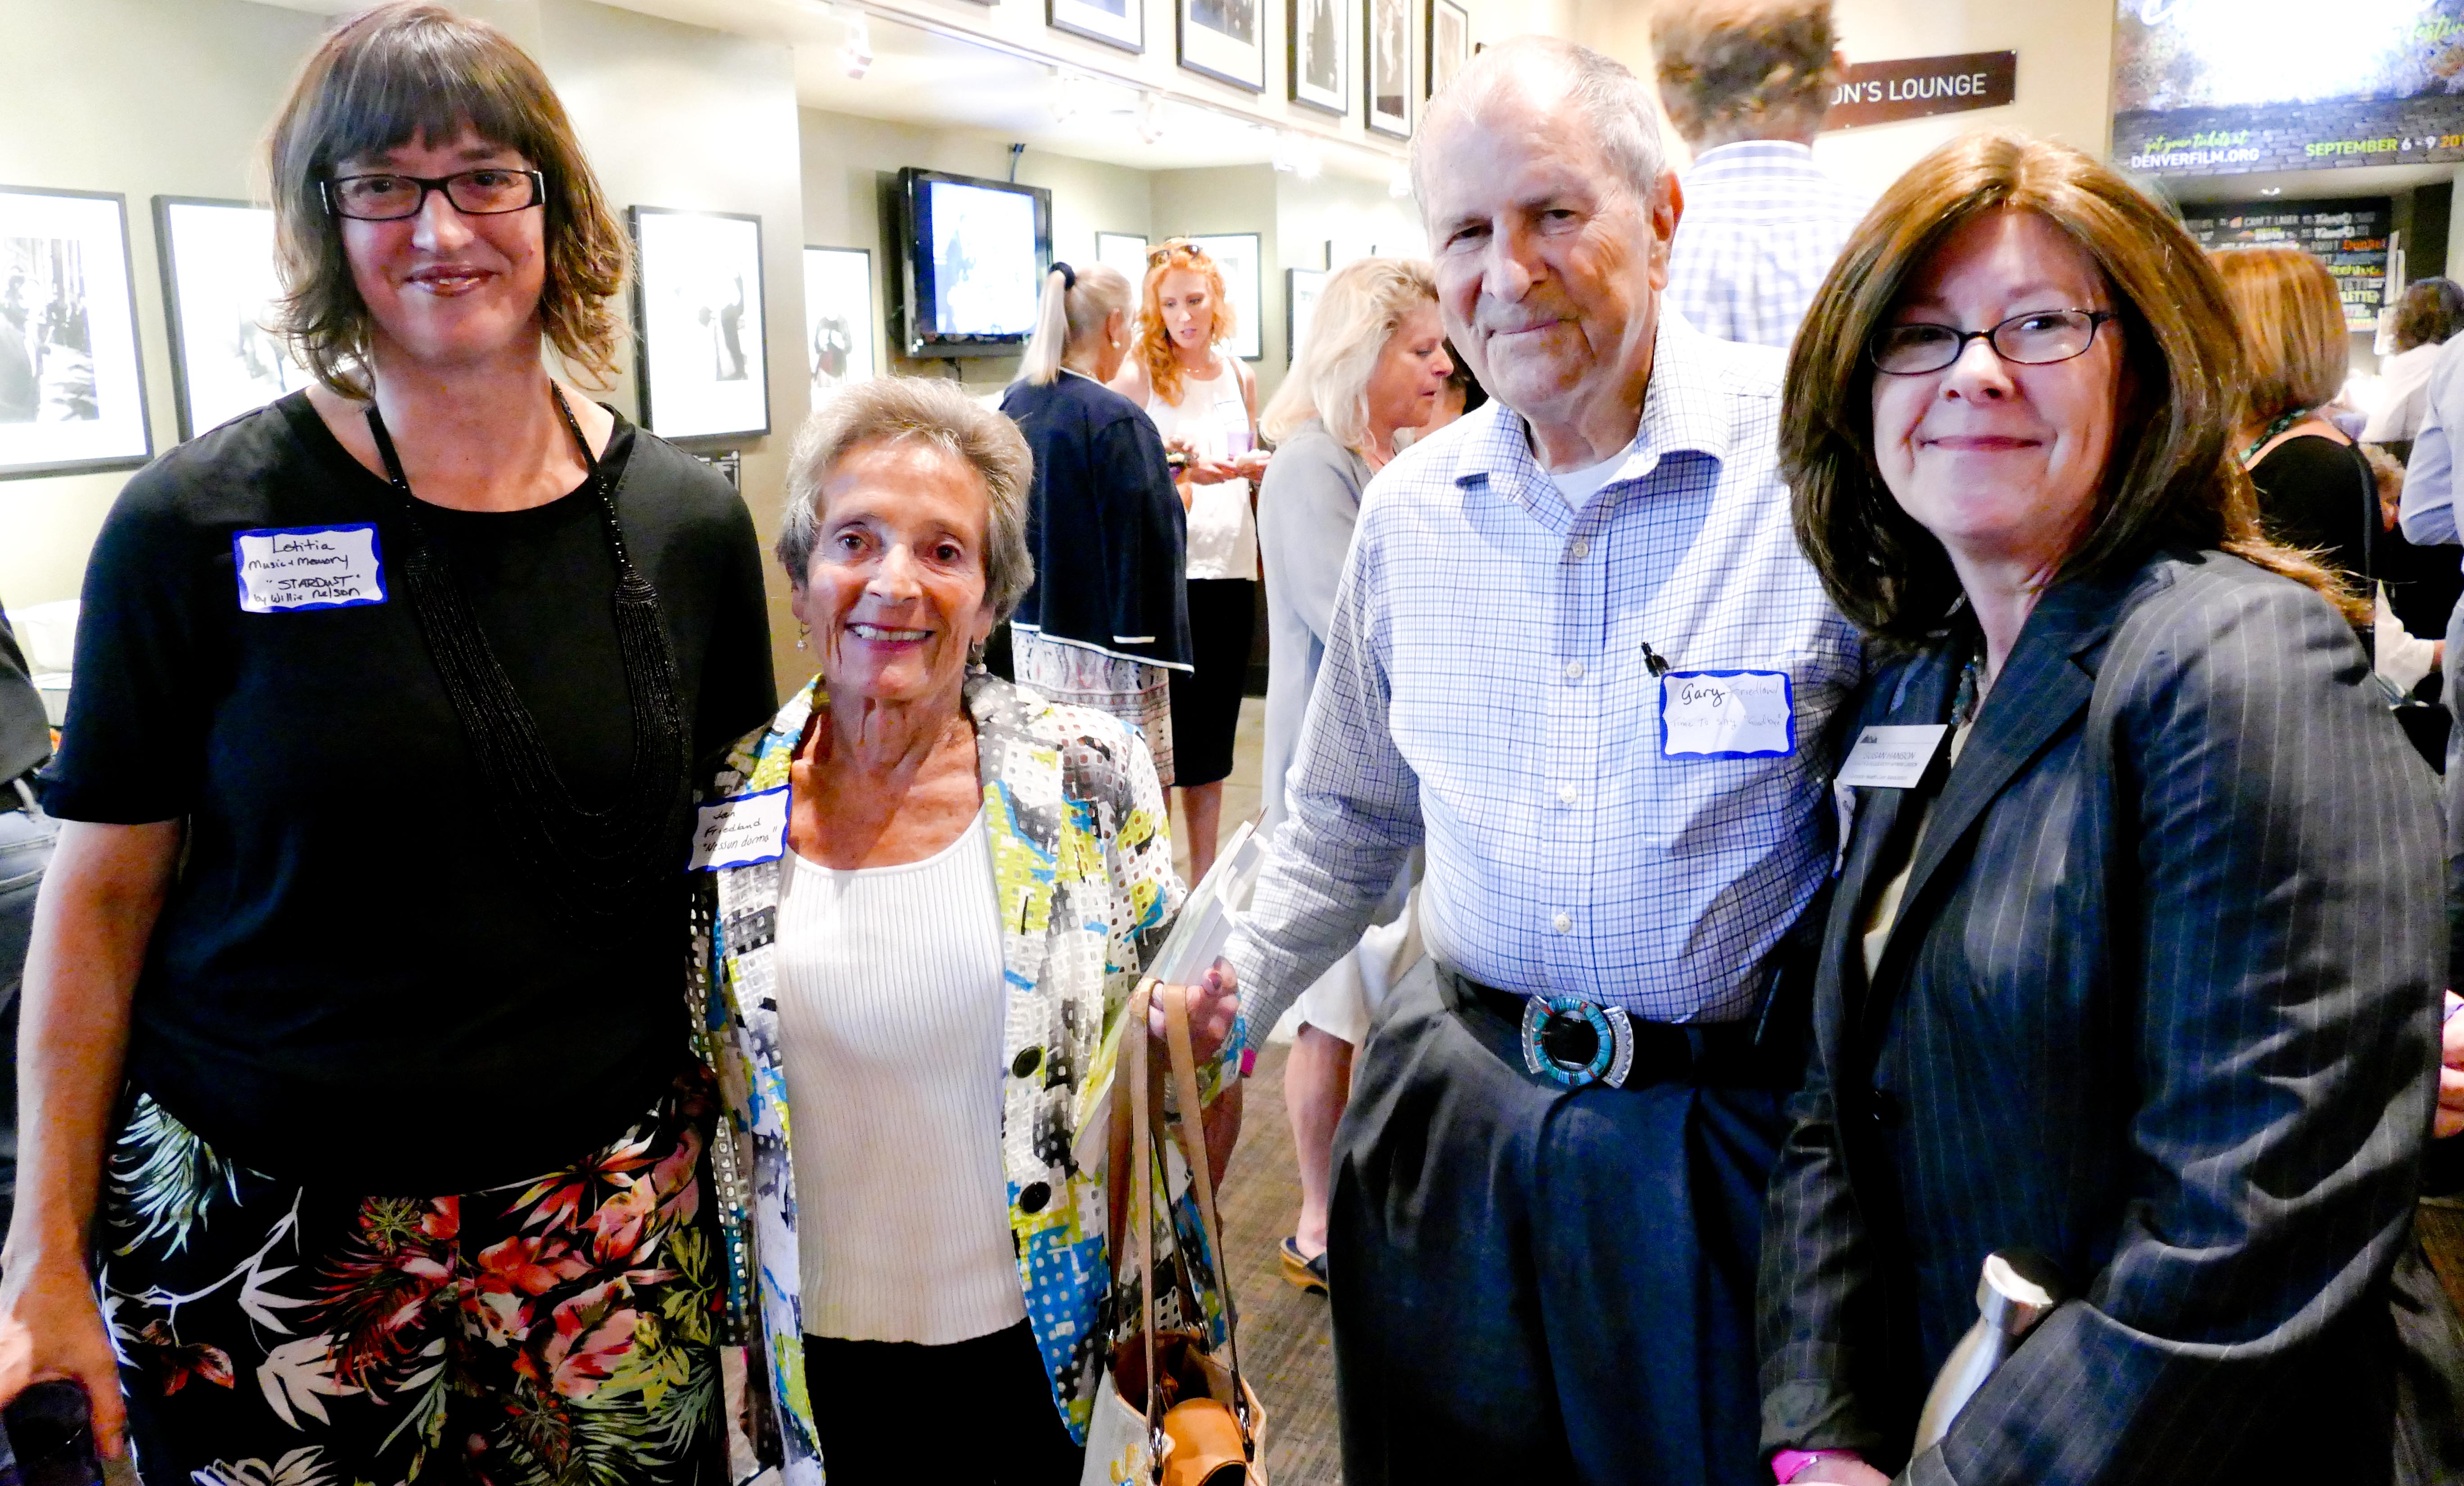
point(1752, 152)
point(1680, 412)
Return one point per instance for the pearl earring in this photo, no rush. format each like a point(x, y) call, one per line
point(803, 633)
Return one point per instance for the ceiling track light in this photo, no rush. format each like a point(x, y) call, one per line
point(855, 48)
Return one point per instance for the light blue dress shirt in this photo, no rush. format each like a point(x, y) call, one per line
point(2427, 514)
point(1484, 689)
point(1762, 225)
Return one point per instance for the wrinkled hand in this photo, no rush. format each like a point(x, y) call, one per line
point(49, 1327)
point(1841, 1472)
point(2451, 1072)
point(1213, 1004)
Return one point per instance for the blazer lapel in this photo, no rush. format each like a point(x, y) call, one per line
point(2043, 685)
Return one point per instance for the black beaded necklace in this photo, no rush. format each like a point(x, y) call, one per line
point(595, 865)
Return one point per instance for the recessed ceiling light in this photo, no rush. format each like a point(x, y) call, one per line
point(2271, 190)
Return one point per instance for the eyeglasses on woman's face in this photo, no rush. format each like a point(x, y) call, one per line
point(492, 190)
point(2036, 338)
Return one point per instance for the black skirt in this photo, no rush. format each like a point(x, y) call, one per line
point(1206, 698)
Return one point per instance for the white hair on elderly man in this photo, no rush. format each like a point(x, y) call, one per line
point(1616, 107)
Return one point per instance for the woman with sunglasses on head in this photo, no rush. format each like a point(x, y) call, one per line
point(355, 967)
point(2133, 958)
point(1205, 405)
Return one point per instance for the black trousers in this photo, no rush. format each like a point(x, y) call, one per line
point(1537, 1285)
point(972, 1413)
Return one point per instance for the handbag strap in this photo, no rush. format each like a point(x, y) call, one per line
point(1142, 1229)
point(1202, 1176)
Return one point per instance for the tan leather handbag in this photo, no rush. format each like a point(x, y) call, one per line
point(1204, 1427)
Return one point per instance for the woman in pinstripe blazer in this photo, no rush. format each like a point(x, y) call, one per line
point(2139, 965)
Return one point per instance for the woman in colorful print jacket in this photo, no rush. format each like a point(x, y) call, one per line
point(930, 895)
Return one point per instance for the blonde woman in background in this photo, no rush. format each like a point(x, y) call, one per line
point(1105, 622)
point(2315, 489)
point(1205, 405)
point(1372, 373)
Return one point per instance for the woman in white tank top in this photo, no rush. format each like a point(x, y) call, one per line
point(1205, 405)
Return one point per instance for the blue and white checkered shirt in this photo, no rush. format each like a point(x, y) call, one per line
point(1484, 686)
point(1762, 225)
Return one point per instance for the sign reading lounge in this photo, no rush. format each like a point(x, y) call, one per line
point(1919, 87)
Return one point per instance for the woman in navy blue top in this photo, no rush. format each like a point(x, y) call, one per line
point(1108, 615)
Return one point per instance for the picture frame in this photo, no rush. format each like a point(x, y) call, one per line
point(1224, 39)
point(1316, 71)
point(1116, 23)
point(841, 342)
point(1301, 289)
point(219, 289)
point(1236, 255)
point(1447, 27)
point(1386, 66)
point(72, 374)
point(1126, 252)
point(697, 318)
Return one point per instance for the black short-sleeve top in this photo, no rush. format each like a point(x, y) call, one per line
point(351, 981)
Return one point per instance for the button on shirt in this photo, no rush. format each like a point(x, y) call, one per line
point(1762, 225)
point(1484, 689)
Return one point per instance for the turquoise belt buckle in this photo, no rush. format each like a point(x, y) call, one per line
point(1575, 1042)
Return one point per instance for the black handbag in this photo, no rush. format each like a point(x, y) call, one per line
point(2424, 724)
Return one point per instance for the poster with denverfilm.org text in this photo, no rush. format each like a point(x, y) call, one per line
point(2221, 87)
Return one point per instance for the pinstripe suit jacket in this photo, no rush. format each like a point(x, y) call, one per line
point(2161, 1005)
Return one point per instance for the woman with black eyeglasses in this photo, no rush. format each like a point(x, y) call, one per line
point(358, 1055)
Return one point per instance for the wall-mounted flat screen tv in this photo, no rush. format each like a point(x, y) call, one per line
point(974, 255)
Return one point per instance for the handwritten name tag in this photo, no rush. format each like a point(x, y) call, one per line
point(1892, 757)
point(308, 567)
point(741, 831)
point(1726, 715)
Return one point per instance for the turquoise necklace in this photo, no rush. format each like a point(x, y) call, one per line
point(2273, 429)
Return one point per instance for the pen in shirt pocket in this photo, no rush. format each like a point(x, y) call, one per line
point(1654, 661)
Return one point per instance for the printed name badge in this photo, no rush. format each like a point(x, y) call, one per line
point(1726, 715)
point(1893, 757)
point(283, 569)
point(741, 831)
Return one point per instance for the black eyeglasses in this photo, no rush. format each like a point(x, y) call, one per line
point(2033, 340)
point(389, 198)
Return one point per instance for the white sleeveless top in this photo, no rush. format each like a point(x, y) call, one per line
point(891, 1000)
point(1212, 418)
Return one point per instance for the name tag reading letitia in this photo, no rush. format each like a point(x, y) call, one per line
point(741, 831)
point(1726, 715)
point(1892, 757)
point(286, 569)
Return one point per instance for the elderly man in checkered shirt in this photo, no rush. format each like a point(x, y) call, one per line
point(1747, 82)
point(1577, 653)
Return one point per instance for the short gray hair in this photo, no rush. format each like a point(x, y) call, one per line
point(1615, 105)
point(938, 415)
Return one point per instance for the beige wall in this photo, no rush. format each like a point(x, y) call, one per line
point(143, 99)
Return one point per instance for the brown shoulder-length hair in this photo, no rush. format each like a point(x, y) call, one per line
point(2172, 479)
point(382, 76)
point(1155, 342)
point(2295, 349)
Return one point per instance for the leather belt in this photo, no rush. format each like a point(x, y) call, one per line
point(1572, 1042)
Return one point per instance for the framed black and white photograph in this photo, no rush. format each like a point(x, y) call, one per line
point(72, 383)
point(1126, 252)
point(1386, 65)
point(1224, 39)
point(1301, 289)
point(1121, 23)
point(697, 308)
point(1236, 255)
point(1314, 32)
point(1449, 28)
point(838, 316)
point(219, 288)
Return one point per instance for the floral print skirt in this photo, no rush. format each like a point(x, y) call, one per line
point(552, 1332)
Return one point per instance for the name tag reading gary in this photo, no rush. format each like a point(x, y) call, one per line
point(308, 567)
point(1892, 757)
point(1726, 715)
point(741, 831)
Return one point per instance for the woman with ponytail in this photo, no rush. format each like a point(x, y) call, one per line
point(1107, 619)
